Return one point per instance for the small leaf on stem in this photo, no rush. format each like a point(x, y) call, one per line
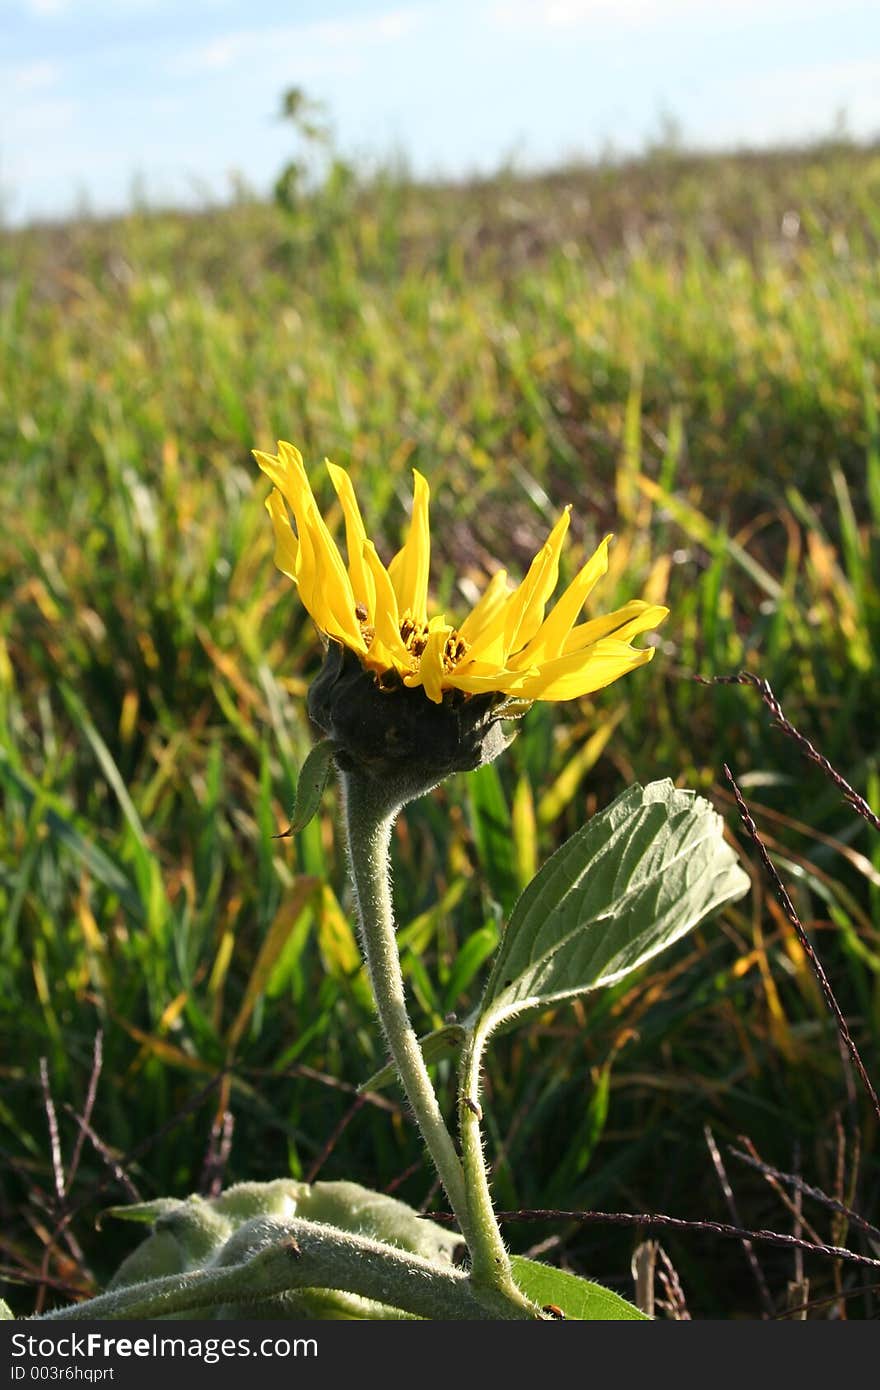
point(310, 787)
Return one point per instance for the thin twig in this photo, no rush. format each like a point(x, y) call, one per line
point(428, 1199)
point(798, 1288)
point(357, 1104)
point(857, 802)
point(829, 1298)
point(839, 1224)
point(109, 1158)
point(798, 1183)
point(58, 1175)
point(724, 1182)
point(17, 1275)
point(63, 1218)
point(643, 1267)
point(753, 1160)
point(131, 1156)
point(797, 1205)
point(334, 1083)
point(91, 1096)
point(806, 945)
point(401, 1178)
point(673, 1223)
point(675, 1301)
point(54, 1139)
point(217, 1154)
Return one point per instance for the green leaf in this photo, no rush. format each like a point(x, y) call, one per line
point(636, 878)
point(443, 1042)
point(577, 1298)
point(200, 1233)
point(312, 781)
point(586, 1130)
point(146, 1212)
point(478, 947)
point(105, 760)
point(65, 827)
point(493, 832)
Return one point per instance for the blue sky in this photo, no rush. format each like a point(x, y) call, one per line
point(95, 94)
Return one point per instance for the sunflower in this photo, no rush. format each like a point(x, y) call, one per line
point(506, 646)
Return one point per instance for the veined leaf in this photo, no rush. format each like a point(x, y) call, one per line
point(637, 877)
point(575, 1297)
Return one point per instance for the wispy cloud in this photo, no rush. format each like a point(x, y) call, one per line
point(47, 9)
point(324, 44)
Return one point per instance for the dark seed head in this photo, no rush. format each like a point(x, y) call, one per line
point(396, 734)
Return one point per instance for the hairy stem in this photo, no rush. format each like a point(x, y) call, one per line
point(368, 824)
point(491, 1262)
point(288, 1255)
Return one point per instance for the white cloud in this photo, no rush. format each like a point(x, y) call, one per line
point(47, 9)
point(332, 45)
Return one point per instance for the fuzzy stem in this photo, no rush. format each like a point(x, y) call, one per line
point(298, 1254)
point(369, 815)
point(490, 1260)
point(368, 825)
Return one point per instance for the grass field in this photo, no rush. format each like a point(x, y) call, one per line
point(687, 351)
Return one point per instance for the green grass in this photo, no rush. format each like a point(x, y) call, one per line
point(685, 349)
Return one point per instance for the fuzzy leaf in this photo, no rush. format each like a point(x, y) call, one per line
point(637, 877)
point(577, 1298)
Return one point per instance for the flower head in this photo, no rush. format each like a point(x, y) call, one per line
point(508, 646)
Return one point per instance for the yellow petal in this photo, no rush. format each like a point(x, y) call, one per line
point(431, 673)
point(486, 607)
point(580, 673)
point(386, 618)
point(324, 585)
point(519, 616)
point(409, 568)
point(548, 640)
point(355, 535)
point(625, 623)
point(379, 658)
point(527, 612)
point(483, 678)
point(286, 546)
point(511, 647)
